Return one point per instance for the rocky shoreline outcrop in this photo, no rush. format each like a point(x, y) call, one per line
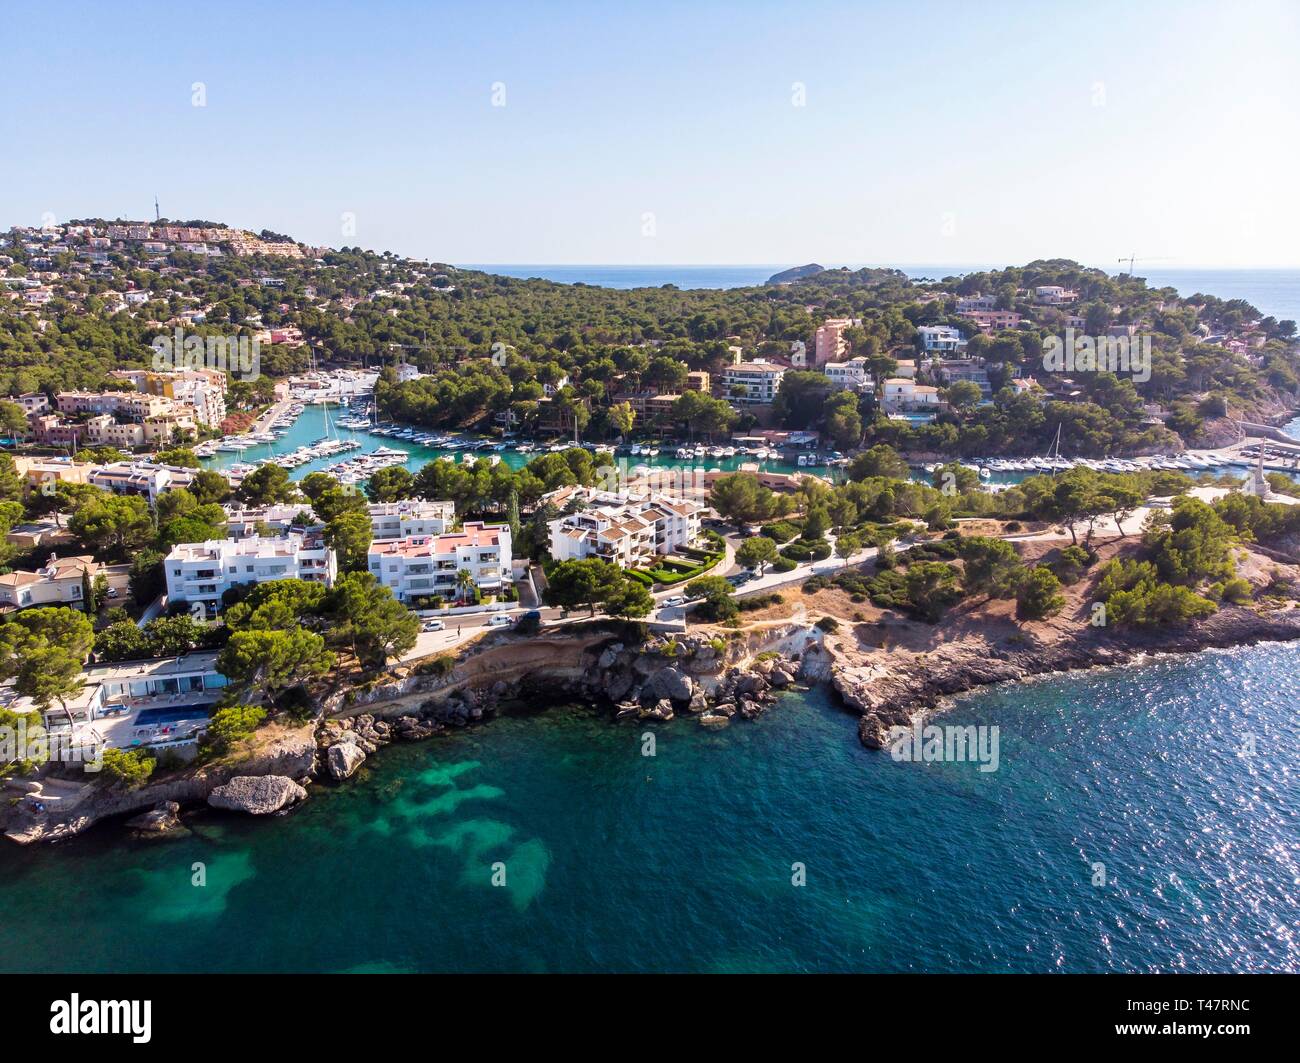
point(716, 680)
point(258, 795)
point(40, 817)
point(889, 691)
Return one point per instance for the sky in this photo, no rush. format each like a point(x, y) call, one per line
point(665, 132)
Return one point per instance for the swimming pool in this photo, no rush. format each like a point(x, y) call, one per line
point(150, 717)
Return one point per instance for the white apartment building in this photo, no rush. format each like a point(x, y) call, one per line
point(752, 383)
point(941, 339)
point(625, 529)
point(419, 566)
point(241, 522)
point(127, 478)
point(410, 516)
point(203, 572)
point(852, 375)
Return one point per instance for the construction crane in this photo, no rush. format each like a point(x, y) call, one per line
point(1133, 258)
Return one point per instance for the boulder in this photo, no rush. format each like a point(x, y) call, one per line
point(160, 819)
point(779, 677)
point(619, 685)
point(663, 710)
point(258, 795)
point(344, 759)
point(714, 720)
point(670, 683)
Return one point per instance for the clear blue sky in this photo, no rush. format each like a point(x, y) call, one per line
point(931, 132)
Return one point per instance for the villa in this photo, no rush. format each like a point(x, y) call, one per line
point(61, 582)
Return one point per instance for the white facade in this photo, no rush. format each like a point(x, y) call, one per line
point(901, 393)
point(203, 572)
point(131, 478)
point(627, 530)
point(1054, 295)
point(752, 383)
point(852, 374)
point(411, 516)
point(940, 338)
point(419, 566)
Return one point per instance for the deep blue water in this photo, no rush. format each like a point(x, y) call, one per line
point(1273, 291)
point(683, 862)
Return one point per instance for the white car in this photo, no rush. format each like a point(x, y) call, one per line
point(433, 625)
point(499, 621)
point(675, 600)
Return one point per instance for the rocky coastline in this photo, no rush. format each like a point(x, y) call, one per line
point(888, 694)
point(712, 679)
point(717, 680)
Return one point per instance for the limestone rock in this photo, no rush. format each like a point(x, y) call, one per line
point(345, 758)
point(258, 795)
point(670, 683)
point(161, 819)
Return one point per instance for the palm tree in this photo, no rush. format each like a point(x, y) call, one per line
point(464, 580)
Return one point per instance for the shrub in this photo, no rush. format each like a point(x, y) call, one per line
point(233, 724)
point(130, 767)
point(1039, 595)
point(1071, 563)
point(1237, 591)
point(782, 531)
point(758, 601)
point(828, 624)
point(439, 666)
point(783, 564)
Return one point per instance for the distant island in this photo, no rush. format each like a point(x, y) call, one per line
point(796, 273)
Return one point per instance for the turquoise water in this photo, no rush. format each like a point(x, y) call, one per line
point(683, 862)
point(313, 425)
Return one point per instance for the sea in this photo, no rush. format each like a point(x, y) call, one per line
point(1144, 818)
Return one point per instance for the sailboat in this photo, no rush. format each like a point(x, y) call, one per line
point(1052, 460)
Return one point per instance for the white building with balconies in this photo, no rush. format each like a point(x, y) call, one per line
point(421, 566)
point(940, 339)
point(410, 516)
point(625, 529)
point(202, 572)
point(752, 383)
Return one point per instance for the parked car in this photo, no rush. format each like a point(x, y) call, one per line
point(112, 592)
point(674, 601)
point(499, 621)
point(529, 621)
point(433, 625)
